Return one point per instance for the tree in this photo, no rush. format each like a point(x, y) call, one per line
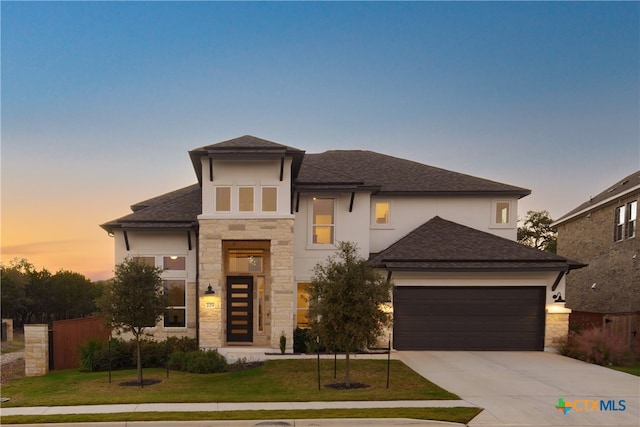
point(537, 232)
point(346, 301)
point(134, 301)
point(74, 295)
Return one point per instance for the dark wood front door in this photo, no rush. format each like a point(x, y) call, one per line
point(239, 309)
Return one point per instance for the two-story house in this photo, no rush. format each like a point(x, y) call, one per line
point(602, 232)
point(238, 248)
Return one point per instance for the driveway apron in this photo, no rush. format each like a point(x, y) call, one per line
point(523, 388)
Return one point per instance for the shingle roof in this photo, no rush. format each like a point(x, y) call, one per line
point(625, 185)
point(246, 146)
point(348, 170)
point(178, 209)
point(441, 245)
point(394, 175)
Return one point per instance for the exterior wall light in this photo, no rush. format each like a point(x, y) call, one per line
point(557, 298)
point(209, 291)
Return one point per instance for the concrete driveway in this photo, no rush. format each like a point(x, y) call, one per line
point(523, 388)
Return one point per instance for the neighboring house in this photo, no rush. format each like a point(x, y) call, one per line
point(238, 248)
point(602, 232)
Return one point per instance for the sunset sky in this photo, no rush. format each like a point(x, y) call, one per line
point(102, 100)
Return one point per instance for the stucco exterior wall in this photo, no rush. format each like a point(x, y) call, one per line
point(349, 226)
point(408, 213)
point(159, 244)
point(614, 267)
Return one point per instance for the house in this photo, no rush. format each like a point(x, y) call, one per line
point(602, 232)
point(238, 248)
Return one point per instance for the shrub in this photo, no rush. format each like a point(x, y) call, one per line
point(120, 354)
point(203, 362)
point(597, 346)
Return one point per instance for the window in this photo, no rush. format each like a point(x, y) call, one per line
point(174, 263)
point(245, 261)
point(381, 213)
point(260, 303)
point(619, 229)
point(147, 260)
point(632, 213)
point(502, 212)
point(223, 199)
point(175, 316)
point(323, 221)
point(302, 307)
point(269, 199)
point(245, 199)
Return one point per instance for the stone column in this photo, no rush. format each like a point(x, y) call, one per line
point(36, 350)
point(556, 327)
point(9, 323)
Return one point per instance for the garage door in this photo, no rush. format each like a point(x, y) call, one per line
point(468, 318)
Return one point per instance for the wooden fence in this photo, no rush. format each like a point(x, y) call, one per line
point(625, 326)
point(69, 334)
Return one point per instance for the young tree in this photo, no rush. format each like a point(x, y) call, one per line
point(134, 301)
point(536, 231)
point(346, 300)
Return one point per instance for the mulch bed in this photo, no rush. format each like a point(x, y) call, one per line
point(145, 382)
point(343, 386)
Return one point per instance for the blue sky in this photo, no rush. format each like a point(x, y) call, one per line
point(102, 100)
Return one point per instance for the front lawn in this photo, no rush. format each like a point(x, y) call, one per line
point(275, 381)
point(633, 370)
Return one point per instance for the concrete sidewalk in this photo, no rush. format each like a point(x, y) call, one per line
point(216, 407)
point(269, 406)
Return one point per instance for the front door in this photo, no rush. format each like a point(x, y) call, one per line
point(240, 309)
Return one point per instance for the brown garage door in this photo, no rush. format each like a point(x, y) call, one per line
point(468, 318)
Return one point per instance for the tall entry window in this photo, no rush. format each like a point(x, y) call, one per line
point(323, 221)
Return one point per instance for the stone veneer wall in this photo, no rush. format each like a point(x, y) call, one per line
point(9, 323)
point(36, 350)
point(556, 328)
point(280, 234)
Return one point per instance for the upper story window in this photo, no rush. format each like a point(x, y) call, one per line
point(632, 214)
point(625, 221)
point(223, 199)
point(323, 221)
point(502, 212)
point(269, 199)
point(381, 212)
point(245, 199)
point(619, 224)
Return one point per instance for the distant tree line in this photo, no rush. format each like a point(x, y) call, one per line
point(30, 295)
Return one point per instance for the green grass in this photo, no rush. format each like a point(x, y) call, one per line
point(457, 415)
point(633, 370)
point(275, 381)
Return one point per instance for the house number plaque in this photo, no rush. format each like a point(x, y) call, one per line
point(210, 305)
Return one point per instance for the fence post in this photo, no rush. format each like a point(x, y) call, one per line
point(36, 350)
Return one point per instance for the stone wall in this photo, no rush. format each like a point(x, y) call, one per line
point(36, 350)
point(279, 232)
point(556, 328)
point(614, 267)
point(9, 323)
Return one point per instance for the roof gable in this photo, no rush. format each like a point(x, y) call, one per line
point(439, 244)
